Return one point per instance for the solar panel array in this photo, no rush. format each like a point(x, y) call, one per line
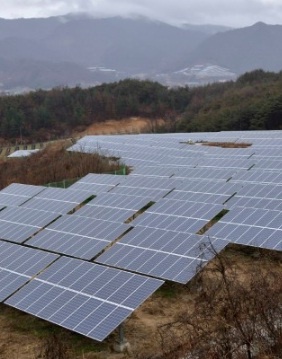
point(17, 224)
point(173, 193)
point(16, 194)
point(18, 265)
point(84, 297)
point(160, 253)
point(57, 200)
point(78, 236)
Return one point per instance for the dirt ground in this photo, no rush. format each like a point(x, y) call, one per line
point(124, 126)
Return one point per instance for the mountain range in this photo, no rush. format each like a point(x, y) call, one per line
point(79, 50)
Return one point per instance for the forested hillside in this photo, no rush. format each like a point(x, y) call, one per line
point(253, 102)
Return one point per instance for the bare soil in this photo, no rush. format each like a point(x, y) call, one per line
point(123, 126)
point(227, 144)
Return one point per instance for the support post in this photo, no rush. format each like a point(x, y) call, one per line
point(121, 345)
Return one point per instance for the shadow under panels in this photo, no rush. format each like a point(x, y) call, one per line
point(163, 254)
point(78, 236)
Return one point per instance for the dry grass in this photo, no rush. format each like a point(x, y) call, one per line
point(227, 144)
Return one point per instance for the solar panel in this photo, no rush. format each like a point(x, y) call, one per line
point(153, 193)
point(250, 226)
point(173, 223)
point(198, 197)
point(67, 243)
point(18, 189)
point(27, 216)
point(105, 213)
point(78, 236)
point(104, 179)
point(119, 201)
point(18, 264)
point(91, 188)
point(88, 227)
point(12, 200)
point(50, 205)
point(17, 224)
point(84, 297)
point(185, 209)
point(64, 195)
point(15, 194)
point(159, 253)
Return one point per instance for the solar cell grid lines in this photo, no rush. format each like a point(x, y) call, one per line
point(139, 181)
point(260, 190)
point(11, 199)
point(114, 200)
point(188, 209)
point(211, 187)
point(105, 213)
point(91, 188)
point(55, 206)
point(16, 194)
point(226, 163)
point(18, 264)
point(104, 179)
point(154, 194)
point(258, 176)
point(69, 244)
point(203, 173)
point(22, 189)
point(87, 298)
point(160, 253)
point(89, 227)
point(163, 221)
point(26, 216)
point(64, 195)
point(264, 203)
point(198, 197)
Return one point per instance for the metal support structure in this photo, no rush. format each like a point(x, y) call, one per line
point(121, 337)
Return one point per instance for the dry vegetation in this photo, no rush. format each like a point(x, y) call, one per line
point(54, 164)
point(227, 144)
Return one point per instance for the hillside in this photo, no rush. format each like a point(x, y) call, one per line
point(127, 47)
point(89, 51)
point(47, 115)
point(254, 47)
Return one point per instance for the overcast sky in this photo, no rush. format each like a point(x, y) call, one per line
point(234, 13)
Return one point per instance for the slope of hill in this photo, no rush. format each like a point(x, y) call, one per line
point(138, 47)
point(134, 45)
point(254, 47)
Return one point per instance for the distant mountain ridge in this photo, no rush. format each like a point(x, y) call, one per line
point(241, 50)
point(60, 51)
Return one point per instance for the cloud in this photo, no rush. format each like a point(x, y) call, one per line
point(227, 12)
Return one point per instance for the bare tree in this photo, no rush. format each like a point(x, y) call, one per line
point(237, 314)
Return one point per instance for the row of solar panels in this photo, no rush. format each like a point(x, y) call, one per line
point(161, 242)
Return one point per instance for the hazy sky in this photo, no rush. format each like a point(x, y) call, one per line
point(224, 12)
